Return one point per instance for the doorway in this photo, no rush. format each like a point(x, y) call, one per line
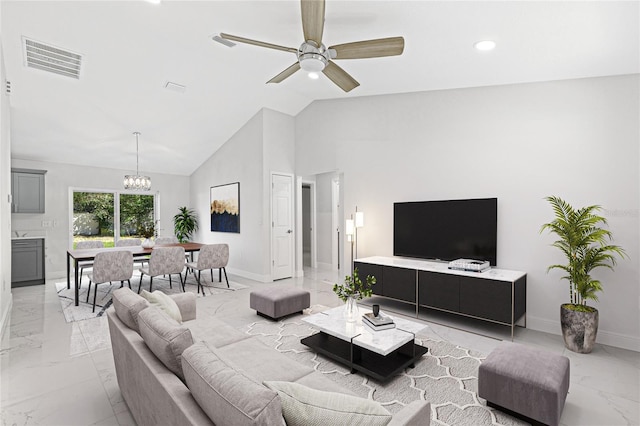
point(281, 226)
point(309, 259)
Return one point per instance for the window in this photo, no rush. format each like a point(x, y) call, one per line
point(109, 216)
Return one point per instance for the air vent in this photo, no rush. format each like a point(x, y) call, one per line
point(52, 59)
point(175, 87)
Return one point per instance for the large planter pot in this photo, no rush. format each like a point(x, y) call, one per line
point(579, 329)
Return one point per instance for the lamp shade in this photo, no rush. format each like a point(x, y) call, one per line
point(349, 228)
point(359, 219)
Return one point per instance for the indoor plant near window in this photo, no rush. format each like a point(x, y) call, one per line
point(585, 246)
point(185, 223)
point(353, 290)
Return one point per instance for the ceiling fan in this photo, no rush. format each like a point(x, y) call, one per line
point(314, 56)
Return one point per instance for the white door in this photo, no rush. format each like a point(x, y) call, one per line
point(282, 226)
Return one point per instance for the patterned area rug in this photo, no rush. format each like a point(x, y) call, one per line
point(103, 300)
point(446, 376)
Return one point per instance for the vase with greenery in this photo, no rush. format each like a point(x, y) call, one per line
point(147, 230)
point(352, 290)
point(586, 246)
point(185, 223)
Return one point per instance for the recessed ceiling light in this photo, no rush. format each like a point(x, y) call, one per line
point(485, 45)
point(314, 75)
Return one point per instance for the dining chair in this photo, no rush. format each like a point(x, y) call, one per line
point(133, 242)
point(90, 244)
point(211, 256)
point(108, 266)
point(164, 261)
point(167, 240)
point(128, 242)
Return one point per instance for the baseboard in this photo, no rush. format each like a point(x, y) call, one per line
point(250, 275)
point(5, 316)
point(322, 265)
point(610, 338)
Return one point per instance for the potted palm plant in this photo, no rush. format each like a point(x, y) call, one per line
point(185, 223)
point(353, 290)
point(585, 244)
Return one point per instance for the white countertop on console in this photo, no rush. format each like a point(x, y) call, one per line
point(431, 266)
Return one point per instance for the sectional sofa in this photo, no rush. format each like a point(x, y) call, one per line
point(203, 371)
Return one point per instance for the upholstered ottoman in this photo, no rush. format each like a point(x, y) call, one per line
point(276, 302)
point(525, 381)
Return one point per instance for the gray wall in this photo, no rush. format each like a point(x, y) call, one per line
point(577, 139)
point(173, 191)
point(264, 145)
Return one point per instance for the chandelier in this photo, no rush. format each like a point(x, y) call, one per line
point(137, 182)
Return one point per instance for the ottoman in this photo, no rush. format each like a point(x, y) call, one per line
point(529, 383)
point(277, 302)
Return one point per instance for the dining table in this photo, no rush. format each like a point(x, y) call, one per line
point(76, 256)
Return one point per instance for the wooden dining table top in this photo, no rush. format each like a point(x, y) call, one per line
point(89, 254)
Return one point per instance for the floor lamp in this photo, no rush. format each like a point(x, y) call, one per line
point(349, 231)
point(358, 223)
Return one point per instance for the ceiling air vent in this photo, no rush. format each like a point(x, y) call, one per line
point(52, 59)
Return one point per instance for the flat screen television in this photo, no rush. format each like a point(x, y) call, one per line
point(446, 230)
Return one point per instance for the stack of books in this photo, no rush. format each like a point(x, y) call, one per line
point(381, 322)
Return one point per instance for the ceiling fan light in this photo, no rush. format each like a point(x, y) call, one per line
point(312, 62)
point(314, 75)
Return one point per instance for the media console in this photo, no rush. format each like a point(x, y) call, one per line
point(496, 295)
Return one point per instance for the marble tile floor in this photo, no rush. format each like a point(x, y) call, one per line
point(58, 373)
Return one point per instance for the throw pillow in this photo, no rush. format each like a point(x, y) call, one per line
point(128, 305)
point(164, 302)
point(225, 393)
point(165, 337)
point(304, 406)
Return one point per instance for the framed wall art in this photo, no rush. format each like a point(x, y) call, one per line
point(225, 208)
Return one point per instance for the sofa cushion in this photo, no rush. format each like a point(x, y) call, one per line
point(164, 302)
point(225, 393)
point(128, 305)
point(166, 338)
point(303, 406)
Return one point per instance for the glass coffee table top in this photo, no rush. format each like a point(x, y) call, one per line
point(383, 342)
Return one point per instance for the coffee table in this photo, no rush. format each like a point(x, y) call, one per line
point(378, 354)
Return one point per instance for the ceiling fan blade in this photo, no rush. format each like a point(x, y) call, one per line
point(340, 77)
point(257, 43)
point(312, 20)
point(391, 46)
point(286, 73)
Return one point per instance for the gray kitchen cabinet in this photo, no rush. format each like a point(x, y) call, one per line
point(27, 262)
point(27, 189)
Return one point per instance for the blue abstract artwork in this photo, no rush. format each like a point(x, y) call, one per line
point(225, 208)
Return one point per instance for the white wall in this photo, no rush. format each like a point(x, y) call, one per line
point(263, 145)
point(577, 139)
point(238, 160)
point(5, 205)
point(173, 191)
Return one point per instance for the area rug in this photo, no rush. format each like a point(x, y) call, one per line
point(103, 299)
point(446, 376)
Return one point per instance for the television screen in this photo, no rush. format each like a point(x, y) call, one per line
point(446, 230)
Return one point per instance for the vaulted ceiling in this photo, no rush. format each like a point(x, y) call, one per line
point(131, 49)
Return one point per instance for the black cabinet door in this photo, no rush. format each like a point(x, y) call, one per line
point(486, 299)
point(439, 290)
point(365, 269)
point(399, 283)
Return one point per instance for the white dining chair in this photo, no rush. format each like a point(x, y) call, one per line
point(108, 266)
